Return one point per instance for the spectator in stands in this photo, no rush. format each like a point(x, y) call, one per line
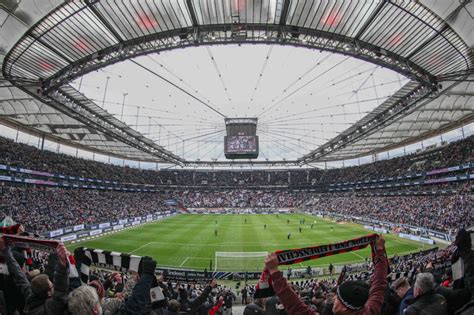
point(41, 295)
point(353, 297)
point(405, 292)
point(84, 300)
point(244, 293)
point(256, 308)
point(426, 301)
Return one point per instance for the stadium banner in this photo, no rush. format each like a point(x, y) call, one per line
point(104, 225)
point(186, 274)
point(82, 234)
point(416, 238)
point(56, 233)
point(127, 224)
point(380, 230)
point(67, 230)
point(95, 232)
point(123, 221)
point(369, 227)
point(118, 227)
point(442, 236)
point(68, 237)
point(293, 256)
point(78, 227)
point(136, 222)
point(107, 230)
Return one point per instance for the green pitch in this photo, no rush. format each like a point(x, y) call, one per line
point(189, 241)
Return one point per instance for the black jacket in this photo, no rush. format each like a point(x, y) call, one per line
point(36, 305)
point(429, 303)
point(467, 309)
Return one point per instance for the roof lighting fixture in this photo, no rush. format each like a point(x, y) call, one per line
point(45, 65)
point(81, 45)
point(332, 19)
point(145, 22)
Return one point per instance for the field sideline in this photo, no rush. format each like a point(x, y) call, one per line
point(188, 241)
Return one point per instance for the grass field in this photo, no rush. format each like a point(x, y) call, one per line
point(188, 241)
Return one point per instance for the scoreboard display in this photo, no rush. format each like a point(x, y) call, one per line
point(241, 141)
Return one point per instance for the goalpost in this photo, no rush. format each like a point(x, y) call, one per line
point(239, 261)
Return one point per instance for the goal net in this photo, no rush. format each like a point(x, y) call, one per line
point(240, 261)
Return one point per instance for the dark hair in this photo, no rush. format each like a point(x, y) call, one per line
point(174, 305)
point(40, 286)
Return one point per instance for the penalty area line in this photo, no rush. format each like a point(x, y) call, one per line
point(135, 250)
point(184, 261)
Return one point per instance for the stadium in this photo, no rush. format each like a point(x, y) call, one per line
point(236, 157)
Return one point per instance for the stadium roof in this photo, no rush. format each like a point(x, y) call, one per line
point(328, 80)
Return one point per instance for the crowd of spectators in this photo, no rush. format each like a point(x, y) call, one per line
point(240, 198)
point(423, 283)
point(45, 209)
point(438, 212)
point(16, 154)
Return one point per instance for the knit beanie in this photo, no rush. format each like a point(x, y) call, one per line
point(353, 294)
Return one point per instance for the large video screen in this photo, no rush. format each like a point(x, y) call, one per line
point(241, 146)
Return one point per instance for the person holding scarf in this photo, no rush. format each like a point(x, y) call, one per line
point(352, 297)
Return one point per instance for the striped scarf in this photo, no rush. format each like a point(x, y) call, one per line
point(293, 256)
point(48, 246)
point(28, 253)
point(87, 257)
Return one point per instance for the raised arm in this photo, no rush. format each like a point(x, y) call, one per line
point(140, 297)
point(14, 269)
point(57, 303)
point(194, 305)
point(288, 297)
point(378, 281)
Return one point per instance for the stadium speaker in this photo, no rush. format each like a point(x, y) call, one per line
point(183, 34)
point(100, 55)
point(295, 31)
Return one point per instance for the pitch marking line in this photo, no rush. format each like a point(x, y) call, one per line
point(360, 256)
point(184, 261)
point(135, 250)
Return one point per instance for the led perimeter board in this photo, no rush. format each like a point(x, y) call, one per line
point(241, 141)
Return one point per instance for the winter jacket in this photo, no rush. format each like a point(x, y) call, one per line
point(467, 309)
point(407, 299)
point(197, 302)
point(3, 304)
point(193, 305)
point(140, 296)
point(429, 303)
point(294, 305)
point(35, 305)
